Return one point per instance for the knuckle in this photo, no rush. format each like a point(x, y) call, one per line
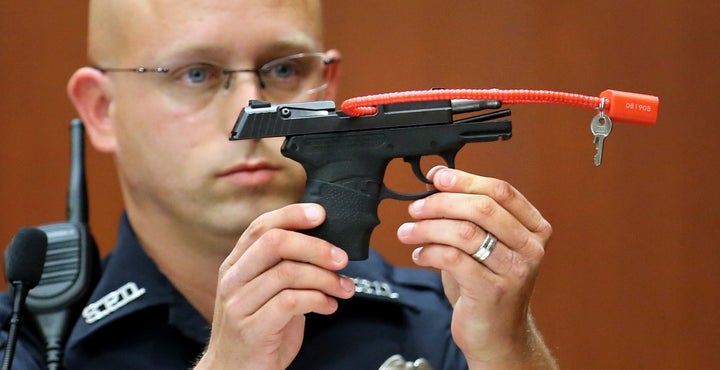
point(224, 268)
point(226, 281)
point(545, 228)
point(522, 271)
point(485, 206)
point(272, 237)
point(525, 239)
point(536, 250)
point(287, 302)
point(255, 229)
point(285, 272)
point(497, 288)
point(246, 329)
point(226, 288)
point(451, 256)
point(223, 292)
point(468, 231)
point(520, 268)
point(531, 246)
point(503, 191)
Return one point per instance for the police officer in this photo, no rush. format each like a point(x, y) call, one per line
point(210, 270)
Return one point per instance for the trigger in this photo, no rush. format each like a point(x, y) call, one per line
point(415, 163)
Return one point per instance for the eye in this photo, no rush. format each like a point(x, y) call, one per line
point(283, 70)
point(200, 75)
point(197, 75)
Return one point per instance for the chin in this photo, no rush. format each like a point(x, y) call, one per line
point(242, 213)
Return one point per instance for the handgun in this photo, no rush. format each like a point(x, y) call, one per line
point(345, 157)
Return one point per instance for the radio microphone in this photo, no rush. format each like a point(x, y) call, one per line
point(24, 260)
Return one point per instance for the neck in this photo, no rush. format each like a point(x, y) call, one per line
point(188, 258)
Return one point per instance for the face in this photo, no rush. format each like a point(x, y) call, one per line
point(174, 158)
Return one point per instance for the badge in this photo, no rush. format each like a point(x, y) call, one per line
point(111, 302)
point(374, 287)
point(397, 362)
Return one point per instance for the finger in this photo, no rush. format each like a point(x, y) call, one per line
point(459, 265)
point(456, 181)
point(292, 217)
point(477, 284)
point(277, 245)
point(274, 316)
point(463, 235)
point(269, 246)
point(480, 210)
point(286, 275)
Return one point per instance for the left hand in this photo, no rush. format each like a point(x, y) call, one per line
point(491, 321)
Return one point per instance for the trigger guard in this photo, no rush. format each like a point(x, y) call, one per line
point(385, 192)
point(415, 164)
point(448, 157)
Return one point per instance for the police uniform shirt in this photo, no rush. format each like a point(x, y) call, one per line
point(136, 319)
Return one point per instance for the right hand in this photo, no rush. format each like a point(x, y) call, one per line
point(271, 279)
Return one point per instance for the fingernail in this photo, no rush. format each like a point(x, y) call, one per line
point(312, 213)
point(446, 178)
point(434, 170)
point(347, 284)
point(417, 205)
point(337, 254)
point(405, 229)
point(416, 253)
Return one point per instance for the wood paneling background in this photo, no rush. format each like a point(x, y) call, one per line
point(631, 276)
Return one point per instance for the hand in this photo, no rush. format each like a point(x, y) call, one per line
point(271, 279)
point(491, 320)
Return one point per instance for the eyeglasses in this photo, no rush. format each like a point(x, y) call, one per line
point(280, 80)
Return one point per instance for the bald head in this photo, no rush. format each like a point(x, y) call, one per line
point(109, 25)
point(118, 27)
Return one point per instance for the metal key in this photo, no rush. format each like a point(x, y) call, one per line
point(600, 126)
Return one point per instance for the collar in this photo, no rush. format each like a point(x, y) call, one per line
point(131, 282)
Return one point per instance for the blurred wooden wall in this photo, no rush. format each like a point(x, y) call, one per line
point(631, 276)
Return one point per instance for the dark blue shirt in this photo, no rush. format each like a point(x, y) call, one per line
point(136, 319)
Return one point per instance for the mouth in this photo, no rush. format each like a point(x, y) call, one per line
point(250, 174)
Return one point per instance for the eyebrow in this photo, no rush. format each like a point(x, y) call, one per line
point(283, 46)
point(297, 40)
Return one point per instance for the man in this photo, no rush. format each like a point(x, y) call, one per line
point(210, 232)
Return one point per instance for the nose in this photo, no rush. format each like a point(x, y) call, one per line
point(244, 87)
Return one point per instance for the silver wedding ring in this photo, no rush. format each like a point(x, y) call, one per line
point(486, 248)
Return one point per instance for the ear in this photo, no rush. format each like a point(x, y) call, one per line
point(88, 89)
point(332, 74)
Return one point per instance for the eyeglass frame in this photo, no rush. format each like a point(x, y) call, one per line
point(229, 72)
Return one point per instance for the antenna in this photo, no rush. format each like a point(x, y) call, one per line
point(77, 200)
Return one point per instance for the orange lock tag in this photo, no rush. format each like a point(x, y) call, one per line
point(630, 107)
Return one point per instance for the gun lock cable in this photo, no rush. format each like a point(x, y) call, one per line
point(624, 106)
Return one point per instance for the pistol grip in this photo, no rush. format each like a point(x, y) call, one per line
point(351, 215)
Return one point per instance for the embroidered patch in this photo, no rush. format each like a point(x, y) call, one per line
point(111, 302)
point(374, 287)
